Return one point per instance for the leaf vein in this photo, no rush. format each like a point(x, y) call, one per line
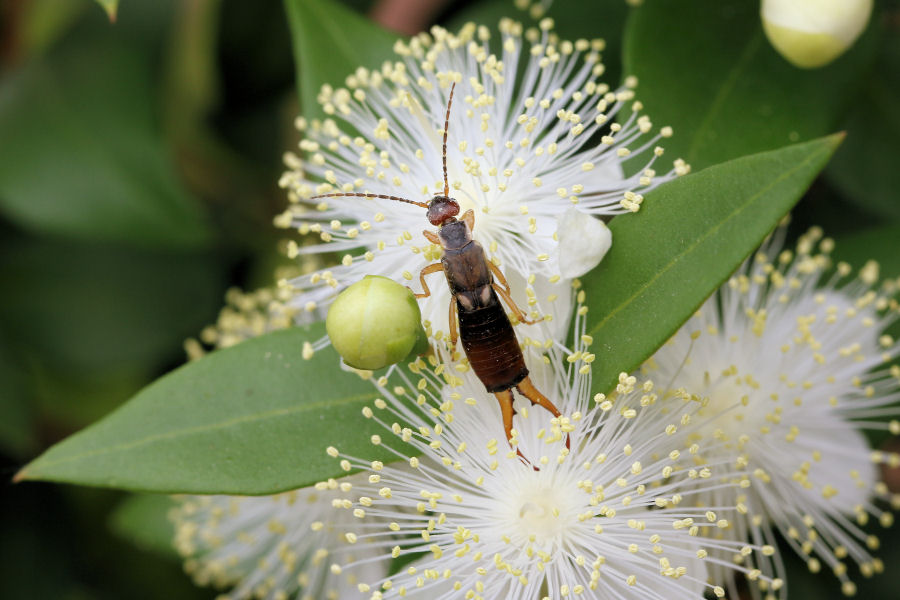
point(242, 420)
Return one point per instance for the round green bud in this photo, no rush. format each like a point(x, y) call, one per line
point(374, 323)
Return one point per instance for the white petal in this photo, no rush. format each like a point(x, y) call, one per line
point(583, 242)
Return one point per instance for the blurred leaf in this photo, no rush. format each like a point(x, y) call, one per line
point(111, 7)
point(330, 43)
point(251, 419)
point(723, 89)
point(605, 19)
point(881, 244)
point(688, 238)
point(91, 309)
point(56, 545)
point(142, 519)
point(861, 168)
point(487, 13)
point(191, 87)
point(44, 21)
point(16, 419)
point(82, 155)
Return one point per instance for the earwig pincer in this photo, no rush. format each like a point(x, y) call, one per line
point(476, 286)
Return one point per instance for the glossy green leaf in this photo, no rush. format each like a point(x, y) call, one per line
point(723, 88)
point(143, 520)
point(251, 419)
point(331, 42)
point(688, 238)
point(82, 153)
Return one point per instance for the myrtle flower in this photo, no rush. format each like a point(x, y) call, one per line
point(533, 137)
point(245, 315)
point(271, 547)
point(594, 509)
point(790, 363)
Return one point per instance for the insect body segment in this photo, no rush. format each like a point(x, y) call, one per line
point(476, 286)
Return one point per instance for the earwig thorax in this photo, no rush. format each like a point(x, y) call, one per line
point(454, 234)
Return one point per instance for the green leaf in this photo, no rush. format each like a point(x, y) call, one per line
point(143, 520)
point(723, 88)
point(862, 168)
point(16, 418)
point(82, 153)
point(111, 7)
point(687, 239)
point(330, 43)
point(878, 244)
point(95, 309)
point(252, 419)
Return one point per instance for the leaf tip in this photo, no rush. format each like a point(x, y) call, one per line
point(111, 7)
point(21, 476)
point(838, 137)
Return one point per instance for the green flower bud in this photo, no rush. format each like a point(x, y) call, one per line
point(374, 323)
point(812, 33)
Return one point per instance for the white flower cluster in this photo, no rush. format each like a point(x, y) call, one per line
point(534, 135)
point(749, 421)
point(743, 433)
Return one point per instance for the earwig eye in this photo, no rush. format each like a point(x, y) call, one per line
point(440, 209)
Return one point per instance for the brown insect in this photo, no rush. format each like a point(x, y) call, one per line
point(476, 286)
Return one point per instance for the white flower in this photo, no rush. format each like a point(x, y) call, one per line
point(812, 33)
point(596, 512)
point(531, 134)
point(272, 547)
point(245, 315)
point(788, 361)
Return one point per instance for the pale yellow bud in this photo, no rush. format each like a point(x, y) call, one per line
point(812, 33)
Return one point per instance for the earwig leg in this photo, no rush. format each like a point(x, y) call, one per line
point(507, 411)
point(469, 219)
point(502, 288)
point(520, 314)
point(527, 389)
point(454, 333)
point(432, 268)
point(432, 237)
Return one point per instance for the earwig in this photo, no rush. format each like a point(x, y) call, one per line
point(476, 286)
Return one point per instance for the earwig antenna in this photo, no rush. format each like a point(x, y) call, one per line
point(446, 127)
point(382, 196)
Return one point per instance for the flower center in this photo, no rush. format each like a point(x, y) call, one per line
point(539, 515)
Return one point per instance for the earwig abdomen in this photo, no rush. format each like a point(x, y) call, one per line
point(490, 344)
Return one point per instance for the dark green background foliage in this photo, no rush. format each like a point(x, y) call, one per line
point(138, 170)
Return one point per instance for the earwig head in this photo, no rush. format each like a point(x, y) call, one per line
point(440, 209)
